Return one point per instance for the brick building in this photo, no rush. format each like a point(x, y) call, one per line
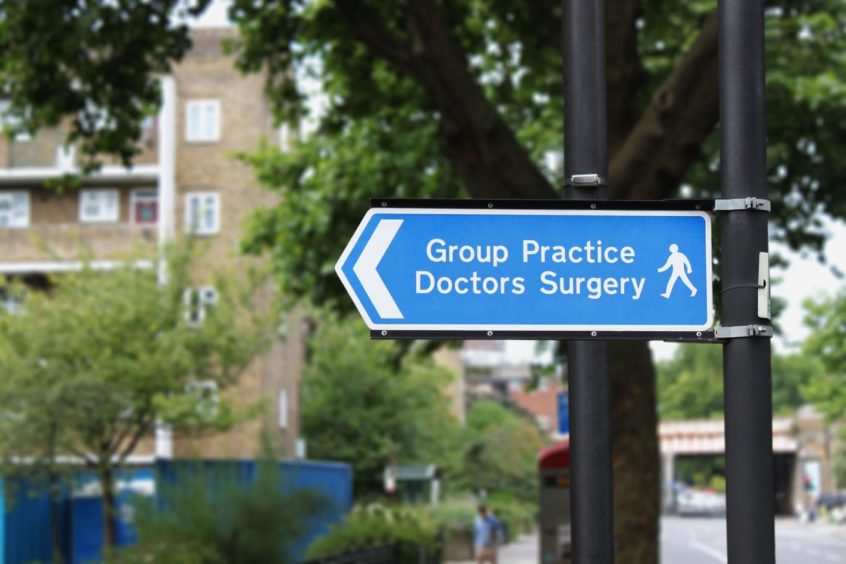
point(185, 181)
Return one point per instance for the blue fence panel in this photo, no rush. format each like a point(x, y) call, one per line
point(26, 526)
point(333, 481)
point(3, 519)
point(25, 513)
point(87, 514)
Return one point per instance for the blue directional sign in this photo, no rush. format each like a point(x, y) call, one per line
point(531, 270)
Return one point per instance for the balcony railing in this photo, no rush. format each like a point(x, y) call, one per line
point(72, 242)
point(46, 150)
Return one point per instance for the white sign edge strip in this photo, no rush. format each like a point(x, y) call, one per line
point(706, 217)
point(368, 261)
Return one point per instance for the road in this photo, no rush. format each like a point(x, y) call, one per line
point(524, 550)
point(686, 540)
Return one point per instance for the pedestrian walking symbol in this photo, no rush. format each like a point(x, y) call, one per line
point(681, 268)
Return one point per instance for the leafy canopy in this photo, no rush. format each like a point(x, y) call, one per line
point(690, 386)
point(827, 342)
point(384, 133)
point(94, 64)
point(92, 365)
point(361, 404)
point(500, 449)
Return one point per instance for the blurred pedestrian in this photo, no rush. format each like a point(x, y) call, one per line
point(500, 528)
point(484, 536)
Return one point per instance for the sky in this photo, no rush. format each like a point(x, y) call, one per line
point(805, 277)
point(214, 16)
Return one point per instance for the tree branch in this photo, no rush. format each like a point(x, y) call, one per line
point(668, 137)
point(364, 23)
point(142, 430)
point(481, 146)
point(546, 18)
point(90, 460)
point(624, 69)
point(118, 437)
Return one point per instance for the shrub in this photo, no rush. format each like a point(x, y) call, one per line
point(214, 516)
point(454, 513)
point(517, 515)
point(410, 530)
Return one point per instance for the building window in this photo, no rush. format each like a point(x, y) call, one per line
point(202, 121)
point(14, 209)
point(65, 157)
point(208, 400)
point(144, 206)
point(11, 299)
point(12, 123)
point(99, 206)
point(197, 301)
point(285, 137)
point(202, 213)
point(283, 408)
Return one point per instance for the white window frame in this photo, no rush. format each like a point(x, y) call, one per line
point(204, 131)
point(282, 405)
point(11, 301)
point(206, 296)
point(201, 228)
point(108, 215)
point(142, 195)
point(12, 122)
point(65, 157)
point(285, 137)
point(18, 219)
point(209, 394)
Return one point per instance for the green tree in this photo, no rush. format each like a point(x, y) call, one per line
point(441, 98)
point(362, 404)
point(690, 386)
point(792, 374)
point(91, 367)
point(827, 342)
point(93, 64)
point(500, 452)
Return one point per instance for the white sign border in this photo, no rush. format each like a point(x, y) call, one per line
point(399, 326)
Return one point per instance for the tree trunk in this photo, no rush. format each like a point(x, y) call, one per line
point(636, 458)
point(109, 507)
point(55, 537)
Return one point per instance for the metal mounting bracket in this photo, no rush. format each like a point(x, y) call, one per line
point(742, 331)
point(739, 204)
point(764, 296)
point(585, 181)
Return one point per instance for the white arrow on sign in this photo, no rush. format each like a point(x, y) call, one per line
point(365, 269)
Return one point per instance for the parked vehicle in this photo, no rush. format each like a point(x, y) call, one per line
point(831, 500)
point(692, 502)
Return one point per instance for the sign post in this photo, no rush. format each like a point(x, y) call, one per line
point(586, 173)
point(746, 354)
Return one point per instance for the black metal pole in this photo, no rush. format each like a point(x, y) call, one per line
point(746, 360)
point(586, 154)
